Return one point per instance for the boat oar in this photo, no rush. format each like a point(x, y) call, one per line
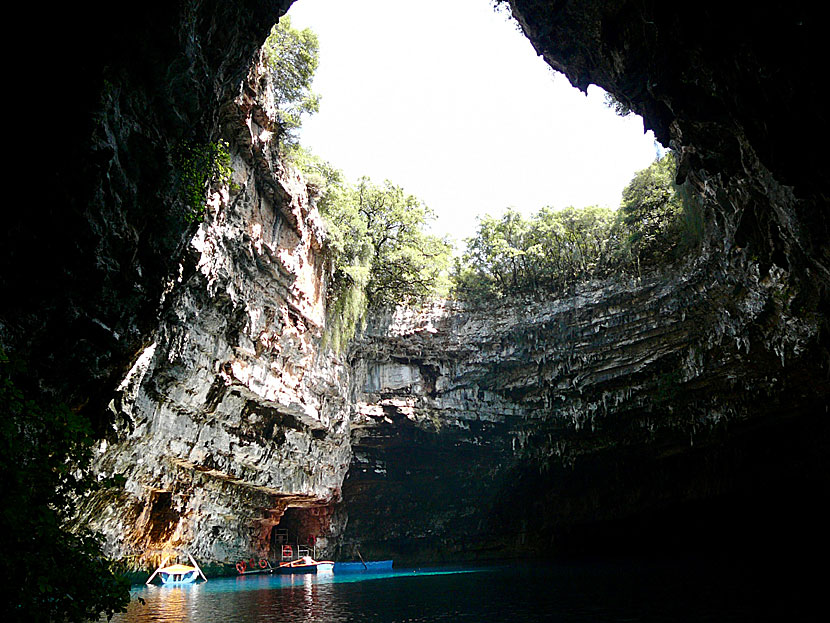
point(197, 566)
point(361, 559)
point(161, 566)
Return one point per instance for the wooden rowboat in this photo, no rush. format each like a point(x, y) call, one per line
point(306, 564)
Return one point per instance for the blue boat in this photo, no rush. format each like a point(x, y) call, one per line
point(353, 567)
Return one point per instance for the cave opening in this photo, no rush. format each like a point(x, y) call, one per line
point(301, 531)
point(114, 258)
point(162, 517)
point(407, 97)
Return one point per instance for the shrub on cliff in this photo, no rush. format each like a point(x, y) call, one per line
point(380, 251)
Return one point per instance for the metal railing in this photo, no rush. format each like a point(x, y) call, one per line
point(288, 551)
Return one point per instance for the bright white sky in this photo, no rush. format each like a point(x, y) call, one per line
point(448, 99)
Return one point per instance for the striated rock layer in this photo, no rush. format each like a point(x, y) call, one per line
point(88, 249)
point(686, 410)
point(232, 414)
point(518, 429)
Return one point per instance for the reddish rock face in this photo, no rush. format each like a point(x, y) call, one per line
point(233, 417)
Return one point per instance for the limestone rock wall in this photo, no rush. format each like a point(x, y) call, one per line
point(502, 431)
point(97, 231)
point(233, 413)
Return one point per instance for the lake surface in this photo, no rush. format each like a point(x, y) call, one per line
point(563, 591)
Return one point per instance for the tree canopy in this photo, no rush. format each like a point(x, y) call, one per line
point(651, 212)
point(293, 56)
point(545, 253)
point(380, 250)
point(553, 249)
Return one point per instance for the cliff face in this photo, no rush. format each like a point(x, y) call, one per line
point(732, 89)
point(691, 404)
point(687, 404)
point(85, 260)
point(232, 414)
point(533, 428)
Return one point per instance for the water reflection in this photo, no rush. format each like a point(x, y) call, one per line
point(605, 592)
point(165, 604)
point(305, 597)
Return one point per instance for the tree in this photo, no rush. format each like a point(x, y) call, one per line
point(49, 572)
point(293, 56)
point(386, 227)
point(651, 213)
point(377, 242)
point(553, 249)
point(497, 253)
point(536, 256)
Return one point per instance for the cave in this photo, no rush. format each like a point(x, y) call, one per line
point(300, 530)
point(685, 412)
point(162, 518)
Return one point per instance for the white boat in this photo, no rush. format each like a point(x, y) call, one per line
point(177, 575)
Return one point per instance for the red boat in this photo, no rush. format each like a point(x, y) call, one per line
point(306, 564)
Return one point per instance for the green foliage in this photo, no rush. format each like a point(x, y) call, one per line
point(406, 262)
point(200, 167)
point(348, 305)
point(618, 106)
point(50, 573)
point(651, 213)
point(554, 249)
point(321, 176)
point(293, 56)
point(381, 254)
point(545, 253)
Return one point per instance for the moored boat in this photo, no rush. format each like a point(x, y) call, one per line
point(177, 574)
point(354, 567)
point(306, 564)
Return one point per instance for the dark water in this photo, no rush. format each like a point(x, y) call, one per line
point(575, 591)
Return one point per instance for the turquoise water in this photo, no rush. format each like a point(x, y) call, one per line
point(576, 591)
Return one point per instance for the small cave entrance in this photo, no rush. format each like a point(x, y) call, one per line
point(162, 517)
point(302, 531)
